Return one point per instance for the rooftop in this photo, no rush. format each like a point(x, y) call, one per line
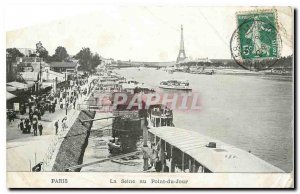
point(10, 96)
point(63, 64)
point(28, 59)
point(223, 158)
point(18, 85)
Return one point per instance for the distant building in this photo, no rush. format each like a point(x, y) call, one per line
point(29, 64)
point(187, 60)
point(105, 61)
point(64, 66)
point(46, 67)
point(29, 69)
point(30, 77)
point(27, 51)
point(207, 60)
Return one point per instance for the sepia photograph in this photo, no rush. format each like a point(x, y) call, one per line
point(152, 97)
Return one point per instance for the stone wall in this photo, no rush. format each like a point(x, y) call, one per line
point(74, 144)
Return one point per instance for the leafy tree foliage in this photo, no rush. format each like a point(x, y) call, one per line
point(13, 53)
point(41, 51)
point(60, 54)
point(87, 60)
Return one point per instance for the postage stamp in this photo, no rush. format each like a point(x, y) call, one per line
point(258, 35)
point(256, 38)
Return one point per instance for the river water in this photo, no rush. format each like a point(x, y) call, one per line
point(249, 112)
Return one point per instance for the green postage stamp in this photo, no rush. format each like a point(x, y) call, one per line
point(258, 37)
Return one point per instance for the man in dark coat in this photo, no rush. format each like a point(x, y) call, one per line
point(56, 127)
point(21, 125)
point(158, 165)
point(34, 126)
point(22, 109)
point(40, 126)
point(31, 116)
point(28, 127)
point(39, 115)
point(53, 107)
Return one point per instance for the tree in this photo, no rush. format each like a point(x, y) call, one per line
point(13, 53)
point(96, 60)
point(87, 60)
point(60, 54)
point(84, 56)
point(41, 51)
point(33, 55)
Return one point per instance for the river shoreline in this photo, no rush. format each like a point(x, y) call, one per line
point(236, 109)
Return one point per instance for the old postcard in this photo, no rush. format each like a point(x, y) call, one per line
point(152, 97)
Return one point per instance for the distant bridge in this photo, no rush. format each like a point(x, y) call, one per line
point(124, 64)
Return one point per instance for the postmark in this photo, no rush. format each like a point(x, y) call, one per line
point(256, 43)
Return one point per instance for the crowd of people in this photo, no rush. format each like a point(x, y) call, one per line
point(155, 163)
point(37, 106)
point(64, 98)
point(11, 115)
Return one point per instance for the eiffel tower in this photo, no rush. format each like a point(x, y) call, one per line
point(181, 54)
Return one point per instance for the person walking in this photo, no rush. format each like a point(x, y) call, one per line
point(26, 122)
point(39, 115)
point(64, 124)
point(61, 104)
point(74, 104)
point(34, 126)
point(28, 127)
point(9, 116)
point(56, 127)
point(21, 125)
point(22, 109)
point(40, 127)
point(53, 108)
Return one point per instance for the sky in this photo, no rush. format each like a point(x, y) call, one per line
point(142, 33)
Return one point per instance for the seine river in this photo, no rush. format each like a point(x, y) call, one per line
point(249, 112)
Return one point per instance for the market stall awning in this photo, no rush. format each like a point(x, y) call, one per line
point(11, 88)
point(10, 96)
point(17, 85)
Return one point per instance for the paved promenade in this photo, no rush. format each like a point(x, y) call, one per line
point(25, 150)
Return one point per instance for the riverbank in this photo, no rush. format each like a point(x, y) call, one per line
point(249, 112)
point(73, 146)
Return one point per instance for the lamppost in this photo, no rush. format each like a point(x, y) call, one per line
point(39, 48)
point(66, 81)
point(40, 68)
point(66, 108)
